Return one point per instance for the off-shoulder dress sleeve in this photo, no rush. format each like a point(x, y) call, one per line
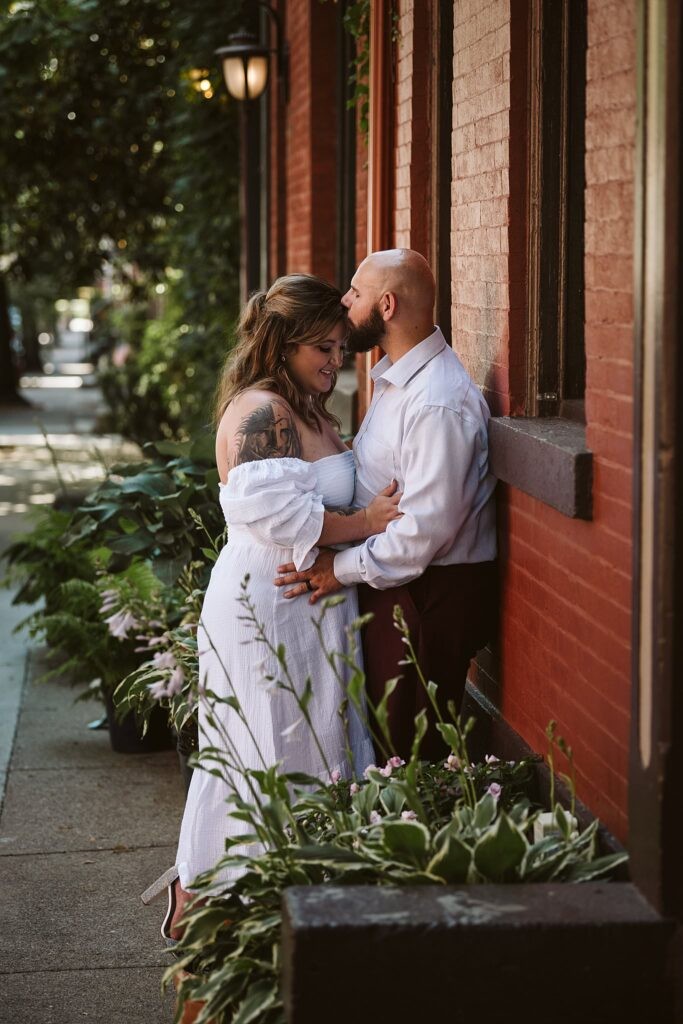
point(278, 501)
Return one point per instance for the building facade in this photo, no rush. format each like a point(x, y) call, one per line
point(530, 149)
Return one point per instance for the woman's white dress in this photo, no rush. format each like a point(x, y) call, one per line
point(274, 510)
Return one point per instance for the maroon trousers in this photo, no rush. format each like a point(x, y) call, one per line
point(449, 611)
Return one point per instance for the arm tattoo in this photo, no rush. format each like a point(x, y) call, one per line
point(268, 432)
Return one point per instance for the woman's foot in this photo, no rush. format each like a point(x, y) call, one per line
point(179, 899)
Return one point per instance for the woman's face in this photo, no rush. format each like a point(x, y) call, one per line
point(312, 366)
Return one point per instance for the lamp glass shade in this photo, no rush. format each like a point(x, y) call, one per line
point(245, 76)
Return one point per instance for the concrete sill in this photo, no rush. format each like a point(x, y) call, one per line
point(545, 458)
point(594, 953)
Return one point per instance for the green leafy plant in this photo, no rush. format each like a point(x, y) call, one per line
point(119, 572)
point(400, 824)
point(151, 511)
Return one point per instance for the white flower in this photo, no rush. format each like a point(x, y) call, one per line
point(408, 816)
point(370, 768)
point(452, 763)
point(375, 818)
point(354, 788)
point(491, 759)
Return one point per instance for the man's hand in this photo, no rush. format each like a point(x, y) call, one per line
point(321, 576)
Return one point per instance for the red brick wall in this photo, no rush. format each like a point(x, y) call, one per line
point(564, 645)
point(481, 195)
point(412, 201)
point(311, 138)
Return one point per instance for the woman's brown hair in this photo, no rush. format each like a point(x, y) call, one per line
point(297, 309)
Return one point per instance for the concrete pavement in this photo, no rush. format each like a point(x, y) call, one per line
point(82, 830)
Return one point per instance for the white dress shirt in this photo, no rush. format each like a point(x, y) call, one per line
point(427, 427)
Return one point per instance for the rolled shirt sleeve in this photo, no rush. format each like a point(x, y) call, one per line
point(443, 458)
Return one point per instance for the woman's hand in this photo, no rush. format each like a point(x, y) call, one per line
point(383, 509)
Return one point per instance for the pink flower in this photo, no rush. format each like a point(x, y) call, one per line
point(452, 763)
point(354, 788)
point(335, 776)
point(395, 762)
point(157, 690)
point(164, 659)
point(175, 682)
point(386, 771)
point(495, 790)
point(121, 623)
point(375, 818)
point(408, 816)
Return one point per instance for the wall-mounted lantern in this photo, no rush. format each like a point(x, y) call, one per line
point(245, 61)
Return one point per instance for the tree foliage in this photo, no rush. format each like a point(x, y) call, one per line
point(118, 142)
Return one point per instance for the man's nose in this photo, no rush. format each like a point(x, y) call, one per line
point(347, 299)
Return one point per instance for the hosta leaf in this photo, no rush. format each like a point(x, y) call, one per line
point(406, 839)
point(452, 862)
point(499, 852)
point(392, 799)
point(484, 812)
point(597, 868)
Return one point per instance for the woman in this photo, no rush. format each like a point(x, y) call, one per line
point(283, 470)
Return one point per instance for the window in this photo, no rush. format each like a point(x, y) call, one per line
point(557, 74)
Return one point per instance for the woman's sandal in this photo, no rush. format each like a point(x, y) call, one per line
point(165, 882)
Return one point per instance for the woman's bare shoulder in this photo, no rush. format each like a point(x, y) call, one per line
point(257, 425)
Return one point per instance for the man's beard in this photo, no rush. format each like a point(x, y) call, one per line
point(368, 333)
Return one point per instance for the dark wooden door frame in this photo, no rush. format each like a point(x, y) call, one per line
point(656, 768)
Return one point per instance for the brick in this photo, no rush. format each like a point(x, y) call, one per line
point(608, 307)
point(612, 272)
point(615, 164)
point(608, 21)
point(609, 237)
point(605, 128)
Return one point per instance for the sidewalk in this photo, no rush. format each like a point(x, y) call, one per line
point(82, 830)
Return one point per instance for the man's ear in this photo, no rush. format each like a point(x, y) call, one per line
point(388, 305)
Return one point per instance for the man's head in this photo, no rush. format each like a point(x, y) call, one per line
point(391, 296)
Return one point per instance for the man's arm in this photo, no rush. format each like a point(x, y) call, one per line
point(443, 463)
point(444, 459)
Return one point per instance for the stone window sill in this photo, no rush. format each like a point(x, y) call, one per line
point(547, 459)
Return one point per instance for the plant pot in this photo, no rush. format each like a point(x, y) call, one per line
point(124, 733)
point(192, 1007)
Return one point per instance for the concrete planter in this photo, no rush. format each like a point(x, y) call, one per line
point(503, 954)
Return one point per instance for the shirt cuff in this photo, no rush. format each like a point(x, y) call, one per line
point(346, 566)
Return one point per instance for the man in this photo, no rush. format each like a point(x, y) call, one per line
point(427, 428)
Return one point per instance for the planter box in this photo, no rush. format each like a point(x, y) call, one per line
point(594, 953)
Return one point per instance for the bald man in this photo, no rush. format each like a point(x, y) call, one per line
point(426, 428)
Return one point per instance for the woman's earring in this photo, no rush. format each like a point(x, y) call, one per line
point(282, 358)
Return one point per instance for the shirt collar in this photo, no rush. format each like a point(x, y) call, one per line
point(400, 372)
